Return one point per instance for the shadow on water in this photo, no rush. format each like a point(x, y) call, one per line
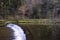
point(42, 32)
point(34, 32)
point(6, 33)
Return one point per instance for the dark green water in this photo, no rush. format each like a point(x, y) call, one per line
point(33, 32)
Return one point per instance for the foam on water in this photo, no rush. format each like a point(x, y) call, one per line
point(18, 32)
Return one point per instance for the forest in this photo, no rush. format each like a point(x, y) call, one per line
point(30, 9)
point(42, 11)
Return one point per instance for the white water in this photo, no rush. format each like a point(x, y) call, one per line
point(18, 32)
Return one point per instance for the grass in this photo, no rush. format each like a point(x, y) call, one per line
point(32, 21)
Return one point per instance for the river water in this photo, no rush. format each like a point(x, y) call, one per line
point(37, 32)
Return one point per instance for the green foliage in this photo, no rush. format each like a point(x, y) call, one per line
point(9, 7)
point(42, 10)
point(11, 3)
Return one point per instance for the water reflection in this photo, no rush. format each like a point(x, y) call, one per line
point(18, 32)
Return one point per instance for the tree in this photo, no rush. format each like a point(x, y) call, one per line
point(9, 7)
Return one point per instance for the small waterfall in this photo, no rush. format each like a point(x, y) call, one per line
point(18, 32)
